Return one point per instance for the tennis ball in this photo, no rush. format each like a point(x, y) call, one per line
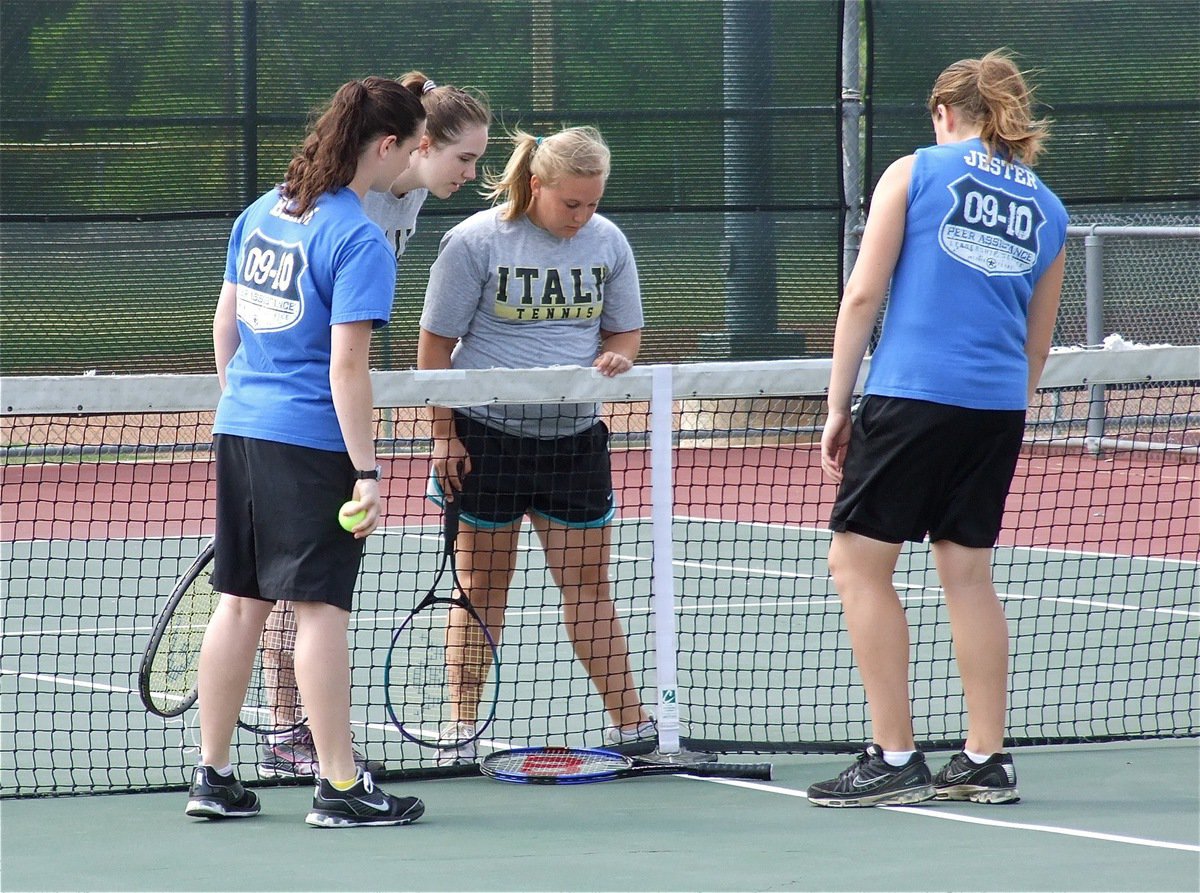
point(347, 518)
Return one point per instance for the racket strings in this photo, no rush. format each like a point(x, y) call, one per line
point(172, 675)
point(468, 664)
point(280, 694)
point(555, 763)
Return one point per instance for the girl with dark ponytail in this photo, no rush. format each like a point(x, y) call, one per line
point(456, 136)
point(307, 278)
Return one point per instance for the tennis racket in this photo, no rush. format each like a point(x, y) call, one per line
point(272, 703)
point(167, 675)
point(578, 765)
point(442, 673)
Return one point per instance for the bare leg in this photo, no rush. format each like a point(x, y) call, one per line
point(578, 559)
point(486, 561)
point(862, 570)
point(323, 674)
point(279, 667)
point(226, 659)
point(980, 640)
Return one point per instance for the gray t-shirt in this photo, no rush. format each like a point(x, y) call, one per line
point(517, 297)
point(397, 217)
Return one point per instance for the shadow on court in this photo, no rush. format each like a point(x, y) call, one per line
point(1113, 817)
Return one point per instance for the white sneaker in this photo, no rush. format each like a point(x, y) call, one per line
point(456, 755)
point(646, 731)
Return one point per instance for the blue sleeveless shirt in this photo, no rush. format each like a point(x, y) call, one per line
point(979, 233)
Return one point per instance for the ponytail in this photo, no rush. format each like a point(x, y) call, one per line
point(992, 93)
point(360, 112)
point(451, 111)
point(574, 152)
point(513, 185)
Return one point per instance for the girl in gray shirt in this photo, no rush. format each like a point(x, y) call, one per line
point(539, 280)
point(455, 137)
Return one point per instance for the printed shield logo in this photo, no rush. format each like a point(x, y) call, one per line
point(270, 291)
point(991, 230)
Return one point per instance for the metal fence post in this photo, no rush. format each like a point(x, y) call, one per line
point(1093, 277)
point(749, 232)
point(852, 161)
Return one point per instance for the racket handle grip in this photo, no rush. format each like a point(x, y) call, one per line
point(751, 771)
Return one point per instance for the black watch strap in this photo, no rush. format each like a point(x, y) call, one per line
point(374, 474)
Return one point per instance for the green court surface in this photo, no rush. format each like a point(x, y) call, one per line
point(1092, 817)
point(762, 650)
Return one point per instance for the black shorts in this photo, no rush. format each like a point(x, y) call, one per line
point(278, 535)
point(916, 468)
point(567, 480)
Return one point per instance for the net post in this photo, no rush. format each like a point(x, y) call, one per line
point(1093, 276)
point(662, 566)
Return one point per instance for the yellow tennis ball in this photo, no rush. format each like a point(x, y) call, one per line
point(349, 519)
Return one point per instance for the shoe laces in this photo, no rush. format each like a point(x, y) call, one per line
point(861, 760)
point(368, 783)
point(457, 731)
point(639, 732)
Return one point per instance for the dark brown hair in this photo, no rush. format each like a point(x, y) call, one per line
point(360, 111)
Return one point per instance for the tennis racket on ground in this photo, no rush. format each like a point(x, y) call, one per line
point(167, 675)
point(442, 673)
point(578, 765)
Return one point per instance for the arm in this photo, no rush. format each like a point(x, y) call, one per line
point(225, 332)
point(618, 351)
point(1043, 309)
point(864, 294)
point(450, 459)
point(350, 382)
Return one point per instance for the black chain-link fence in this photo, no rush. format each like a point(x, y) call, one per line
point(133, 132)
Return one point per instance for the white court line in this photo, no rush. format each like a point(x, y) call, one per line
point(757, 786)
point(1015, 596)
point(66, 680)
point(824, 533)
point(934, 813)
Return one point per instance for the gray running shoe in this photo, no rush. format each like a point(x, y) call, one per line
point(872, 781)
point(994, 781)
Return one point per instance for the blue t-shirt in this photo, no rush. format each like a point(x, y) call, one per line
point(978, 235)
point(297, 277)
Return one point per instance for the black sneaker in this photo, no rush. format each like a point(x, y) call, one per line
point(872, 782)
point(213, 796)
point(363, 804)
point(994, 781)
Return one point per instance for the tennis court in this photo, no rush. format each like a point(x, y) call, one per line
point(774, 622)
point(1092, 817)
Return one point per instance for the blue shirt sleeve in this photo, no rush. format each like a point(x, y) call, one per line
point(364, 282)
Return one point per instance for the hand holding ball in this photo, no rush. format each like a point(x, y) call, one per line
point(349, 519)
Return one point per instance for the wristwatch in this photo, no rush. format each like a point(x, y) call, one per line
point(375, 474)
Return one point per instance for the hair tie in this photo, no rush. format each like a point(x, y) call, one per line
point(428, 87)
point(538, 141)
